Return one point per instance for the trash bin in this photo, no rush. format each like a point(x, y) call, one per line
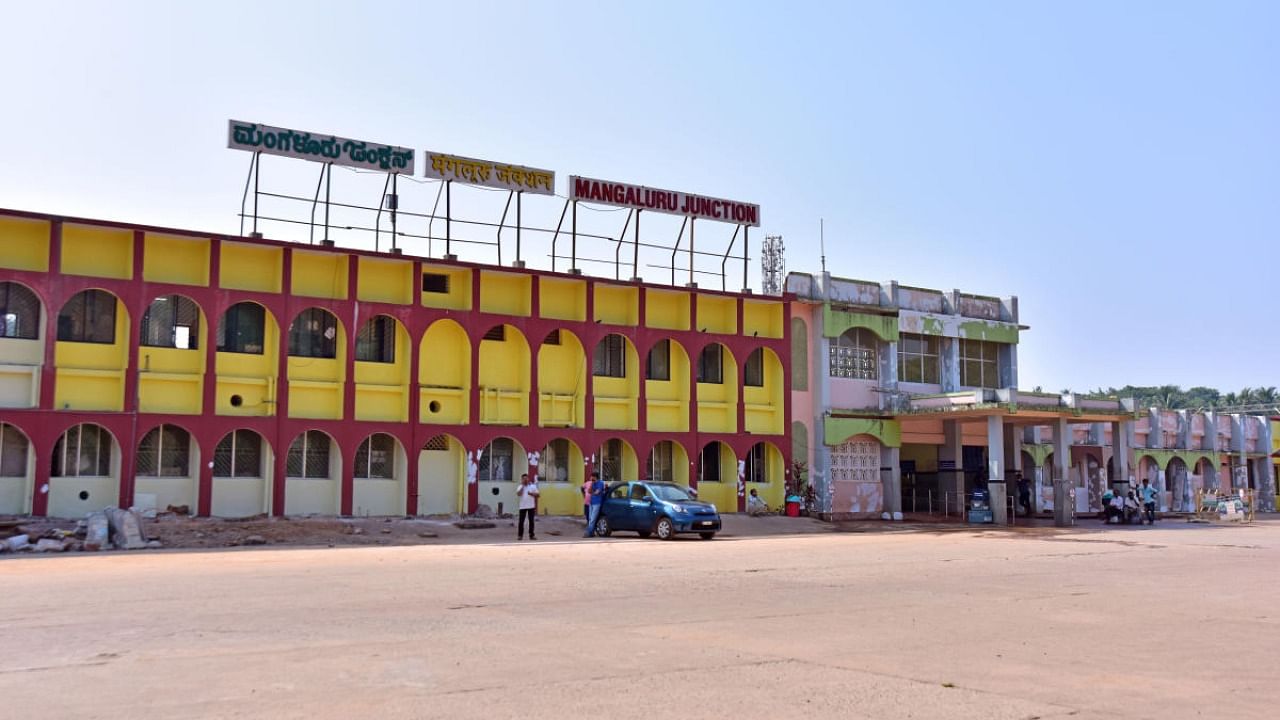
point(793, 506)
point(980, 507)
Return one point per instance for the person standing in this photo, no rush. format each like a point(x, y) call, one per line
point(1149, 500)
point(528, 492)
point(586, 497)
point(595, 495)
point(1024, 493)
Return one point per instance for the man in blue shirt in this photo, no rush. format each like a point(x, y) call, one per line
point(1148, 500)
point(596, 492)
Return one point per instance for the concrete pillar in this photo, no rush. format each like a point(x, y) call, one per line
point(995, 469)
point(951, 460)
point(891, 480)
point(950, 362)
point(1120, 451)
point(1063, 504)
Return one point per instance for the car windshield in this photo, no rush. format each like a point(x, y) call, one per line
point(670, 493)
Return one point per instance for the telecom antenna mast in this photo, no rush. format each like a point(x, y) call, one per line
point(773, 265)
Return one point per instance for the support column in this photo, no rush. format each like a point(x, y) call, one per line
point(951, 460)
point(891, 481)
point(1012, 461)
point(995, 470)
point(1063, 503)
point(1120, 452)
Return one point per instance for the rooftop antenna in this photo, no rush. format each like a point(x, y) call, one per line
point(822, 243)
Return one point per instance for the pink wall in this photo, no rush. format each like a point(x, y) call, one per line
point(854, 394)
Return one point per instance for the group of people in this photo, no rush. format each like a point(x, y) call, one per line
point(592, 497)
point(1139, 505)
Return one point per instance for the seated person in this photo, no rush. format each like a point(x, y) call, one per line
point(755, 505)
point(1108, 506)
point(1131, 507)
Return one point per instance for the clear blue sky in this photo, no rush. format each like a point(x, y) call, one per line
point(1114, 164)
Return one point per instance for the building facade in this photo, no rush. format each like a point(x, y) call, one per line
point(235, 376)
point(905, 399)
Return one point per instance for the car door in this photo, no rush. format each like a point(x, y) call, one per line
point(617, 507)
point(643, 509)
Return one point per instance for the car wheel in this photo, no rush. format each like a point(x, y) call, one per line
point(707, 535)
point(602, 527)
point(665, 529)
point(644, 533)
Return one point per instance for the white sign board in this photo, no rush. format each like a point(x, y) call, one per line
point(269, 140)
point(640, 197)
point(443, 166)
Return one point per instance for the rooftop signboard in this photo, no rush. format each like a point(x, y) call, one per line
point(258, 138)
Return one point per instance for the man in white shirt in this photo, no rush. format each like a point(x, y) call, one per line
point(528, 493)
point(755, 504)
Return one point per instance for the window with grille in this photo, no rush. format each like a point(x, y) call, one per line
point(13, 451)
point(753, 373)
point(496, 461)
point(979, 363)
point(308, 456)
point(853, 355)
point(755, 465)
point(435, 283)
point(83, 451)
point(660, 467)
point(375, 458)
point(239, 454)
point(658, 365)
point(711, 364)
point(554, 465)
point(242, 329)
point(497, 333)
point(89, 317)
point(709, 463)
point(164, 452)
point(856, 461)
point(376, 341)
point(611, 461)
point(19, 312)
point(172, 321)
point(918, 358)
point(439, 443)
point(314, 334)
point(610, 357)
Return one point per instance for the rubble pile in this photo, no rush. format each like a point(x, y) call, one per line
point(110, 529)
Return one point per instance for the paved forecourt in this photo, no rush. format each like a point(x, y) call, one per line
point(1171, 621)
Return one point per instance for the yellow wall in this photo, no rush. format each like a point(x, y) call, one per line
point(97, 252)
point(617, 399)
point(172, 380)
point(445, 380)
point(90, 376)
point(723, 494)
point(382, 389)
point(562, 498)
point(506, 293)
point(617, 304)
point(504, 380)
point(762, 318)
point(251, 377)
point(718, 403)
point(174, 259)
point(717, 314)
point(319, 275)
point(442, 481)
point(459, 295)
point(562, 299)
point(389, 281)
point(763, 411)
point(20, 363)
point(667, 401)
point(666, 309)
point(773, 491)
point(562, 383)
point(25, 243)
point(251, 267)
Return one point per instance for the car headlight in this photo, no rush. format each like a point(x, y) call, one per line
point(678, 509)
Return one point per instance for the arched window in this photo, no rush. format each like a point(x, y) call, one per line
point(376, 457)
point(242, 329)
point(165, 452)
point(658, 366)
point(314, 333)
point(711, 364)
point(610, 358)
point(83, 451)
point(496, 461)
point(89, 317)
point(755, 467)
point(709, 463)
point(611, 456)
point(13, 451)
point(661, 463)
point(853, 355)
point(308, 456)
point(19, 312)
point(554, 465)
point(238, 454)
point(172, 321)
point(376, 341)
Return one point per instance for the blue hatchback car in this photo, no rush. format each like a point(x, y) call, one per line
point(656, 508)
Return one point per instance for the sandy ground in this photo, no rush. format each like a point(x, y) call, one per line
point(1173, 621)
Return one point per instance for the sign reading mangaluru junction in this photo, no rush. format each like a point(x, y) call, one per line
point(257, 138)
point(640, 197)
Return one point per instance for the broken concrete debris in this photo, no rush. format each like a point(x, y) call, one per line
point(126, 529)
